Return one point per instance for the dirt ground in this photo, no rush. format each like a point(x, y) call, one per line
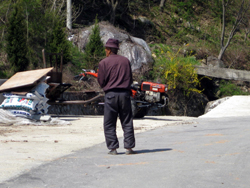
point(26, 146)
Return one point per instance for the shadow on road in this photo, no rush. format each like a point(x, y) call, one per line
point(151, 118)
point(69, 119)
point(150, 151)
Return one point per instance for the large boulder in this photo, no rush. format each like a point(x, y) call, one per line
point(215, 62)
point(135, 49)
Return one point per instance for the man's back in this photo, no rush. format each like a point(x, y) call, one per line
point(115, 72)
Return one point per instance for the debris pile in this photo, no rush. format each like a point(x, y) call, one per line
point(25, 95)
point(8, 119)
point(32, 105)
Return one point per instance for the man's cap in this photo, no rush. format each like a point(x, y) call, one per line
point(112, 43)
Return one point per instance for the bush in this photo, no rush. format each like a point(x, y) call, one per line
point(227, 88)
point(178, 72)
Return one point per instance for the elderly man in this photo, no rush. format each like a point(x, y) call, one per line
point(115, 77)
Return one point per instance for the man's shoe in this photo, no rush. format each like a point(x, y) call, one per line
point(130, 152)
point(112, 152)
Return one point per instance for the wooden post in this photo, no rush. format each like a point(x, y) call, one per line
point(61, 61)
point(44, 60)
point(50, 58)
point(56, 63)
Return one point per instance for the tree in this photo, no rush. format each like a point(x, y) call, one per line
point(46, 28)
point(4, 12)
point(58, 42)
point(113, 4)
point(16, 41)
point(38, 23)
point(243, 10)
point(94, 50)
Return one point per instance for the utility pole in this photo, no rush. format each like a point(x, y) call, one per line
point(69, 14)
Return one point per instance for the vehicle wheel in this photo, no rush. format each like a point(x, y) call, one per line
point(138, 112)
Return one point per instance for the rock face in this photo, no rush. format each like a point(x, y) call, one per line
point(181, 105)
point(215, 62)
point(212, 104)
point(135, 49)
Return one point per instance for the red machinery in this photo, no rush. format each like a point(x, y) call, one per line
point(143, 95)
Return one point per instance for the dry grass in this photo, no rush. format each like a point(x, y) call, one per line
point(90, 84)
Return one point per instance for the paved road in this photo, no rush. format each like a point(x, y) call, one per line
point(209, 153)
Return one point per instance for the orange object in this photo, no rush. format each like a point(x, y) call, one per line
point(150, 86)
point(93, 74)
point(133, 93)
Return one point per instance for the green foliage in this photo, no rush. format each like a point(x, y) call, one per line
point(40, 17)
point(227, 88)
point(2, 75)
point(94, 50)
point(37, 24)
point(2, 72)
point(58, 42)
point(16, 41)
point(77, 59)
point(4, 6)
point(168, 26)
point(186, 8)
point(178, 72)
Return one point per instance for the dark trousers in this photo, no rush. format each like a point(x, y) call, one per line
point(117, 102)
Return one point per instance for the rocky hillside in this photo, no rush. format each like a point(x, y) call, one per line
point(194, 22)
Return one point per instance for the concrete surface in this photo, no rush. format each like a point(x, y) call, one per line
point(213, 153)
point(27, 146)
point(209, 151)
point(235, 106)
point(224, 73)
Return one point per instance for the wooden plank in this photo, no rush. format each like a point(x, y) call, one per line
point(24, 79)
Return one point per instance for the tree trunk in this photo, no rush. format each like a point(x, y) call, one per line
point(223, 31)
point(222, 51)
point(162, 4)
point(239, 18)
point(113, 6)
point(112, 17)
point(247, 31)
point(69, 14)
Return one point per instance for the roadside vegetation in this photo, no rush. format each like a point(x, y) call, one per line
point(174, 69)
point(228, 88)
point(27, 27)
